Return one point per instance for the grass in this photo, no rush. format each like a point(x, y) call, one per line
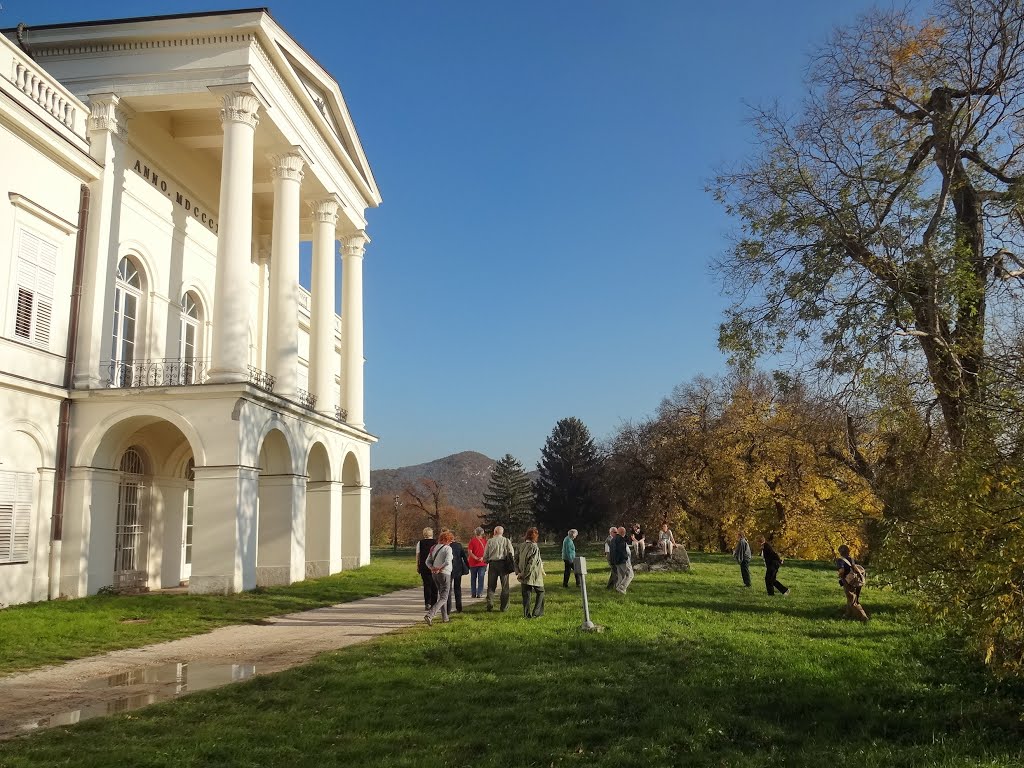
point(46, 633)
point(691, 670)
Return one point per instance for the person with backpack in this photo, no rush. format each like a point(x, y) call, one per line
point(772, 563)
point(852, 578)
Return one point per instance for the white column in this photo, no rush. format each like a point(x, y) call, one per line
point(352, 327)
point(224, 534)
point(230, 353)
point(322, 360)
point(283, 329)
point(108, 134)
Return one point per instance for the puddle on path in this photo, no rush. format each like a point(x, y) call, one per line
point(161, 683)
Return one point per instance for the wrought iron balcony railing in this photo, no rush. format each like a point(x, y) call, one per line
point(340, 413)
point(261, 379)
point(306, 399)
point(168, 372)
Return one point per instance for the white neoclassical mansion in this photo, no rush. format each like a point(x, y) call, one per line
point(174, 406)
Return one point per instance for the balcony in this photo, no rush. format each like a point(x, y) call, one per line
point(168, 372)
point(306, 399)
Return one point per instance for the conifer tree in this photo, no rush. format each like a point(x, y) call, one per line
point(567, 490)
point(509, 497)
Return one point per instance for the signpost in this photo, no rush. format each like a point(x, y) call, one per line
point(580, 567)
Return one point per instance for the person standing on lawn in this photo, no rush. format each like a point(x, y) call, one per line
point(423, 547)
point(569, 557)
point(460, 567)
point(477, 564)
point(531, 575)
point(612, 533)
point(772, 563)
point(622, 567)
point(851, 587)
point(439, 561)
point(499, 555)
point(742, 556)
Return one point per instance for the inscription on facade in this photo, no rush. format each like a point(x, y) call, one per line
point(177, 196)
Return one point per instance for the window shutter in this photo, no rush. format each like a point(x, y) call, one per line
point(37, 275)
point(15, 516)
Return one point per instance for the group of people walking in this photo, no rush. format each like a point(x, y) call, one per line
point(443, 562)
point(851, 575)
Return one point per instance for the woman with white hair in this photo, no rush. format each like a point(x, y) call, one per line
point(569, 557)
point(477, 564)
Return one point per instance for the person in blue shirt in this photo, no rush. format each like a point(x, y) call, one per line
point(569, 557)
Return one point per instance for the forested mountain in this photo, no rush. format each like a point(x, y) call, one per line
point(463, 476)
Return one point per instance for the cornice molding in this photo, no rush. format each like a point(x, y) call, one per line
point(42, 51)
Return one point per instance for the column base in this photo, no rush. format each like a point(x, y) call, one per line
point(227, 377)
point(211, 585)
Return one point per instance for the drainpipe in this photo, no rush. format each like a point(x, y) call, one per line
point(64, 420)
point(22, 43)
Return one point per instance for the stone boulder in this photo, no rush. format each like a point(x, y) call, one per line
point(655, 560)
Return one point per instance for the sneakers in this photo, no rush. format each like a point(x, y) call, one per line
point(427, 619)
point(786, 593)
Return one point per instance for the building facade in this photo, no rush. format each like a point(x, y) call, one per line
point(174, 406)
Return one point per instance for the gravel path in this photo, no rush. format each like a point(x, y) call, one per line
point(123, 680)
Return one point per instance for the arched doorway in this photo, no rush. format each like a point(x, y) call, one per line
point(322, 504)
point(354, 508)
point(130, 529)
point(280, 542)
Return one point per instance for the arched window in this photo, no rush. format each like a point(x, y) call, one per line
point(188, 346)
point(129, 538)
point(127, 298)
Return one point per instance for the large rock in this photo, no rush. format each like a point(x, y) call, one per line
point(656, 560)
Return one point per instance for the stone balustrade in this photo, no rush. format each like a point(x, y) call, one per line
point(43, 94)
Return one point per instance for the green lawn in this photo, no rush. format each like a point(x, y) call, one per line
point(692, 670)
point(47, 633)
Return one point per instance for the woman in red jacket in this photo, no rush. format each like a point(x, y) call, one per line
point(477, 564)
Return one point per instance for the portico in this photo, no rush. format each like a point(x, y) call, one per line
point(203, 392)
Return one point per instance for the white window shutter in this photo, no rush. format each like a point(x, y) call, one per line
point(37, 276)
point(15, 516)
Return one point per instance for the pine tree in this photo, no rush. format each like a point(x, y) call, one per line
point(568, 489)
point(509, 497)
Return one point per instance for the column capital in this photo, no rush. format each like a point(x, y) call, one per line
point(108, 114)
point(325, 211)
point(288, 164)
point(354, 243)
point(240, 107)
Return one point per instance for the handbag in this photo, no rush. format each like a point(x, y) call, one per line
point(509, 562)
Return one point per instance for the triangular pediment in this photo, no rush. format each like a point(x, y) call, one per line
point(324, 96)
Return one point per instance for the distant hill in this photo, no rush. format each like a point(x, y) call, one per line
point(463, 475)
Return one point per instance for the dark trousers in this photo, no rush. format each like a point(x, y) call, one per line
point(496, 570)
point(455, 592)
point(611, 574)
point(570, 567)
point(538, 605)
point(429, 589)
point(771, 580)
point(745, 572)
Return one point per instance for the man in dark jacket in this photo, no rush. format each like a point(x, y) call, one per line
point(620, 561)
point(460, 567)
point(772, 563)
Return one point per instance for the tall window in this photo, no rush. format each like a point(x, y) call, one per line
point(36, 274)
point(189, 334)
point(128, 535)
point(127, 297)
point(190, 508)
point(15, 515)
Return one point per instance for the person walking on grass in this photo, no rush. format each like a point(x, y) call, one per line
point(622, 566)
point(851, 579)
point(477, 564)
point(569, 557)
point(772, 563)
point(439, 561)
point(612, 533)
point(666, 541)
point(742, 556)
point(460, 567)
point(531, 575)
point(423, 547)
point(500, 557)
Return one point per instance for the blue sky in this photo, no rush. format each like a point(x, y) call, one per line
point(543, 246)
